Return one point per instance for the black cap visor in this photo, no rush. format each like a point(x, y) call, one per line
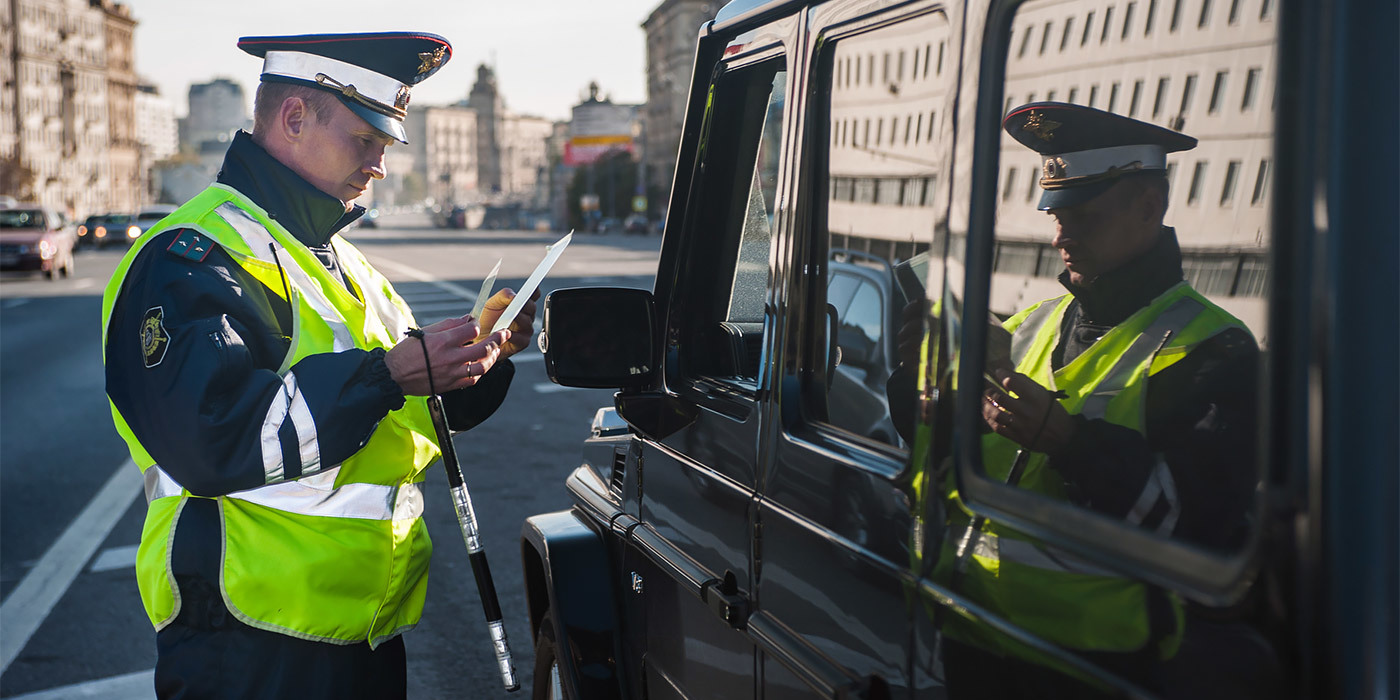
point(383, 122)
point(1064, 197)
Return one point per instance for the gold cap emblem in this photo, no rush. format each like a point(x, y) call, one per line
point(431, 59)
point(1037, 124)
point(401, 99)
point(1054, 168)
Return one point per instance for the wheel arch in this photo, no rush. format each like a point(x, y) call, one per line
point(566, 564)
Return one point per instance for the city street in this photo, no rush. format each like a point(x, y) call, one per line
point(71, 508)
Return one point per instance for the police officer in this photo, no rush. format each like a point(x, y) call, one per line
point(258, 370)
point(1132, 395)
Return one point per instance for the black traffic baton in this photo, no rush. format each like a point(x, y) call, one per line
point(466, 517)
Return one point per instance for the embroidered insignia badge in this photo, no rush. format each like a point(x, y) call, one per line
point(154, 339)
point(1037, 124)
point(401, 99)
point(431, 59)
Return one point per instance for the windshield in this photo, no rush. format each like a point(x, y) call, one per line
point(21, 218)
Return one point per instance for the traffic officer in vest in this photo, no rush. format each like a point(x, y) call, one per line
point(1131, 395)
point(258, 369)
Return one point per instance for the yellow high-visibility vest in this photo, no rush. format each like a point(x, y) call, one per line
point(341, 555)
point(1057, 596)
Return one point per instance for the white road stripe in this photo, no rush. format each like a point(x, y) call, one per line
point(422, 276)
point(550, 388)
point(140, 685)
point(115, 558)
point(35, 596)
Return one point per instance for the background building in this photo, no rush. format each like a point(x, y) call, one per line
point(56, 125)
point(1202, 68)
point(156, 126)
point(218, 108)
point(440, 160)
point(127, 160)
point(672, 30)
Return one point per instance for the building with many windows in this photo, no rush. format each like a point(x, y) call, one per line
point(671, 33)
point(217, 109)
point(56, 120)
point(1202, 67)
point(156, 126)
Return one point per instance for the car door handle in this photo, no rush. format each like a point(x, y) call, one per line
point(723, 596)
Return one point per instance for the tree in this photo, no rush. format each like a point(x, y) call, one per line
point(16, 178)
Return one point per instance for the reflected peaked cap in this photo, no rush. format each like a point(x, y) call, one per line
point(1086, 150)
point(371, 73)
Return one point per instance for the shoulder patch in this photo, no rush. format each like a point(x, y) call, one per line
point(154, 339)
point(191, 245)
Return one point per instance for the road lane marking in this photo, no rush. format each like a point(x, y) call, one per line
point(115, 558)
point(35, 596)
point(140, 685)
point(84, 283)
point(550, 388)
point(422, 276)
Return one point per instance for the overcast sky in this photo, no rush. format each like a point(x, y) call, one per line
point(545, 51)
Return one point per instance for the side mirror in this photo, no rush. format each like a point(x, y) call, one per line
point(598, 337)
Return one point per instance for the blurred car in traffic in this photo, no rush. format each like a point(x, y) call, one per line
point(147, 218)
point(103, 230)
point(35, 238)
point(636, 223)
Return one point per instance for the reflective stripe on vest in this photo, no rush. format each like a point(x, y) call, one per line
point(289, 403)
point(990, 547)
point(313, 495)
point(263, 244)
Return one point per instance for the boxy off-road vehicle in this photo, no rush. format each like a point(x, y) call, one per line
point(739, 530)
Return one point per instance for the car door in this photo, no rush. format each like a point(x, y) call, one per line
point(693, 547)
point(834, 518)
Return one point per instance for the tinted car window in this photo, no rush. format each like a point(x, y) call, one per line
point(880, 173)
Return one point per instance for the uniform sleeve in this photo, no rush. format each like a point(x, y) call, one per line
point(470, 406)
point(192, 354)
point(1192, 475)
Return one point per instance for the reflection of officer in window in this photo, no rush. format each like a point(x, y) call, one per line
point(1132, 395)
point(1157, 423)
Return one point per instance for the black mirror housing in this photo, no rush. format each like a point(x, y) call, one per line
point(599, 337)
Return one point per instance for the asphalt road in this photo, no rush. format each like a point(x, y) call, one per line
point(71, 623)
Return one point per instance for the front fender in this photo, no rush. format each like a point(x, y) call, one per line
point(566, 563)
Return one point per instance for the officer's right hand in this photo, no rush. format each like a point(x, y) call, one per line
point(457, 362)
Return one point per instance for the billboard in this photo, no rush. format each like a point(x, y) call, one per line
point(598, 128)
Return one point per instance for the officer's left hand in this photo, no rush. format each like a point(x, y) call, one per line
point(1032, 418)
point(521, 329)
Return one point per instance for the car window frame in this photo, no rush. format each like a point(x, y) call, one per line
point(803, 423)
point(729, 395)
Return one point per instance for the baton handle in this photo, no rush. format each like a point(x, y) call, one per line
point(481, 569)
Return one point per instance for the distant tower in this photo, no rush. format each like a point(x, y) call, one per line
point(485, 100)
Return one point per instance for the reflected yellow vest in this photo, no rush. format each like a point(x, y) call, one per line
point(1062, 599)
point(340, 556)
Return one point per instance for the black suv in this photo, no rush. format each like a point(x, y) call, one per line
point(783, 499)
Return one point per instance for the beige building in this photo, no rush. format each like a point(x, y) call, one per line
point(1203, 68)
point(57, 104)
point(128, 162)
point(441, 153)
point(524, 152)
point(671, 33)
point(471, 153)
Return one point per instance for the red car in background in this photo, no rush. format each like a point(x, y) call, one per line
point(35, 238)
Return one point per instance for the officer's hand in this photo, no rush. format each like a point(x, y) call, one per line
point(1026, 413)
point(458, 359)
point(521, 329)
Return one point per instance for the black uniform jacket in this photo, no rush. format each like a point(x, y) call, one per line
point(1200, 415)
point(198, 404)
